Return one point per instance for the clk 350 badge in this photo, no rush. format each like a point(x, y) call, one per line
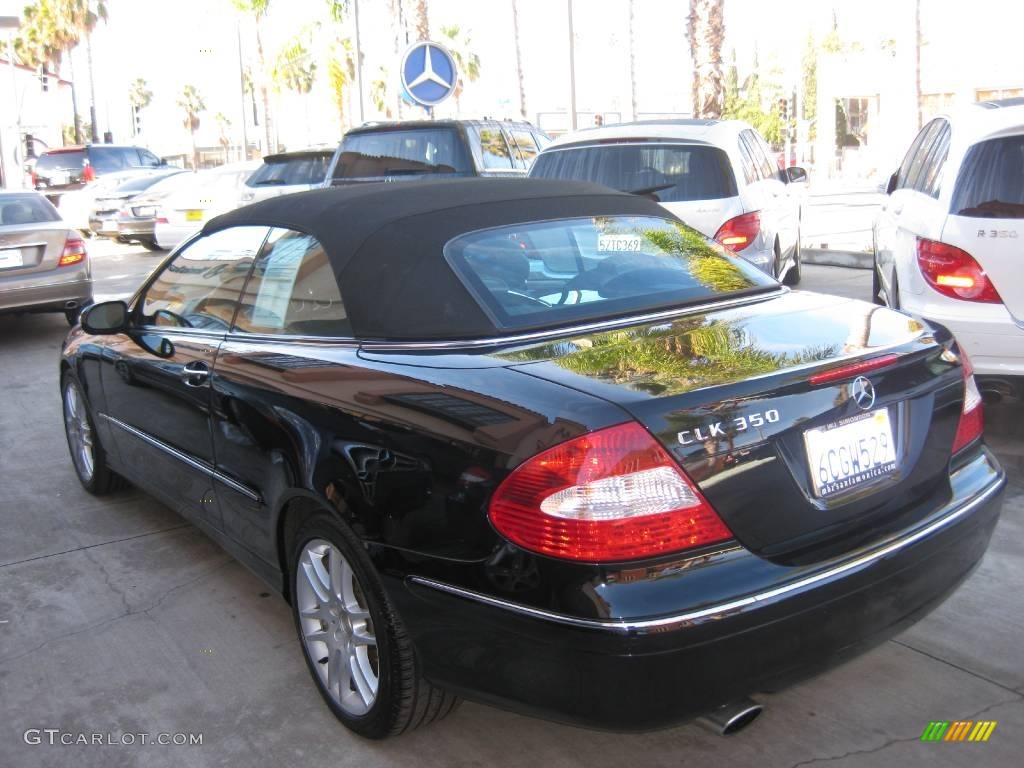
point(739, 424)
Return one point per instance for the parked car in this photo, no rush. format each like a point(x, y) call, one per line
point(285, 173)
point(718, 176)
point(949, 239)
point(43, 263)
point(395, 151)
point(538, 444)
point(76, 206)
point(126, 213)
point(210, 193)
point(69, 168)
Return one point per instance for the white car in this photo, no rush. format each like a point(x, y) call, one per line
point(287, 172)
point(949, 240)
point(718, 176)
point(209, 193)
point(77, 205)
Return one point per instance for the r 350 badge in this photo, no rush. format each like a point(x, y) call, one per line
point(739, 424)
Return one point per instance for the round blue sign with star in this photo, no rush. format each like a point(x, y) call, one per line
point(429, 74)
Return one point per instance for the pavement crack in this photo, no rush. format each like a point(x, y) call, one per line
point(129, 612)
point(97, 544)
point(948, 663)
point(890, 742)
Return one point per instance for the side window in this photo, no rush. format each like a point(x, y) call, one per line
point(107, 160)
point(494, 149)
point(904, 172)
point(762, 156)
point(199, 288)
point(148, 158)
point(919, 164)
point(750, 170)
point(293, 290)
point(931, 174)
point(525, 146)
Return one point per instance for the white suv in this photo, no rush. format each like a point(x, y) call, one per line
point(949, 240)
point(718, 176)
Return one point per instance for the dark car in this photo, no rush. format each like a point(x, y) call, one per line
point(537, 444)
point(414, 149)
point(62, 170)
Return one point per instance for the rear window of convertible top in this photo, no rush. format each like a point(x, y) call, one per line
point(549, 273)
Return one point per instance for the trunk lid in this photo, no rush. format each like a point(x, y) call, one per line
point(30, 248)
point(730, 394)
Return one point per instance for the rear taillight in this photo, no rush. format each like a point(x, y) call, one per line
point(88, 174)
point(972, 416)
point(736, 234)
point(954, 272)
point(74, 252)
point(35, 179)
point(162, 220)
point(609, 495)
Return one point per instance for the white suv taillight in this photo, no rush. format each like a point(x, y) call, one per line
point(954, 272)
point(610, 495)
point(972, 417)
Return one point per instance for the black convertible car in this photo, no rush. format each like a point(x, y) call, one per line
point(537, 444)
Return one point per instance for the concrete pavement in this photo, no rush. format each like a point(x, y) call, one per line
point(122, 618)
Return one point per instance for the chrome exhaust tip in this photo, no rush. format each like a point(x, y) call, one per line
point(732, 717)
point(71, 304)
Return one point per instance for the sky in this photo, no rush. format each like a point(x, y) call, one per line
point(196, 41)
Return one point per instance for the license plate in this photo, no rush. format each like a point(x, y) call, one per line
point(193, 215)
point(57, 178)
point(110, 225)
point(850, 452)
point(11, 257)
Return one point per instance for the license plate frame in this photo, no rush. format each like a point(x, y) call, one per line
point(11, 258)
point(850, 453)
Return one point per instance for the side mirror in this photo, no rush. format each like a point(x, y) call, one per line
point(105, 318)
point(893, 180)
point(795, 174)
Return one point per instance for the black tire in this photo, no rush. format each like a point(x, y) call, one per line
point(403, 700)
point(150, 245)
point(102, 480)
point(796, 271)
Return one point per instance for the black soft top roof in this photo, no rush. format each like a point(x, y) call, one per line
point(386, 242)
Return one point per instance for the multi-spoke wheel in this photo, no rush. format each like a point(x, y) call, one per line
point(87, 454)
point(354, 643)
point(336, 627)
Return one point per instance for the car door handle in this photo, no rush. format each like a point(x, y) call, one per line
point(896, 208)
point(195, 374)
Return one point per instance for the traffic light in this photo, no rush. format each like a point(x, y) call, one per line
point(30, 150)
point(784, 109)
point(44, 79)
point(136, 120)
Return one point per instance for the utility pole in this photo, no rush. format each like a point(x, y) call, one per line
point(92, 89)
point(572, 72)
point(11, 176)
point(359, 63)
point(241, 85)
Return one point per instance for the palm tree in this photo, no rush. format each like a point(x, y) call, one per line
point(467, 61)
point(223, 123)
point(705, 33)
point(191, 102)
point(421, 19)
point(257, 9)
point(379, 93)
point(519, 56)
point(632, 56)
point(341, 73)
point(51, 30)
point(140, 97)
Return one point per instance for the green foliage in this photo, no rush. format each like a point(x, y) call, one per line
point(67, 132)
point(139, 94)
point(809, 64)
point(755, 104)
point(460, 47)
point(51, 28)
point(379, 92)
point(295, 68)
point(257, 8)
point(341, 73)
point(191, 103)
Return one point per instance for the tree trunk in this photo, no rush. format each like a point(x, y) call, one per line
point(92, 89)
point(706, 30)
point(632, 57)
point(421, 19)
point(519, 57)
point(271, 148)
point(74, 99)
point(195, 150)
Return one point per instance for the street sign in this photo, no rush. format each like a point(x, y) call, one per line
point(429, 74)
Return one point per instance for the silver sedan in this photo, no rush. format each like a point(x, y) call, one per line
point(43, 263)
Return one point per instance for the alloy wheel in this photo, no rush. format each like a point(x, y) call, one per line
point(80, 437)
point(336, 627)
